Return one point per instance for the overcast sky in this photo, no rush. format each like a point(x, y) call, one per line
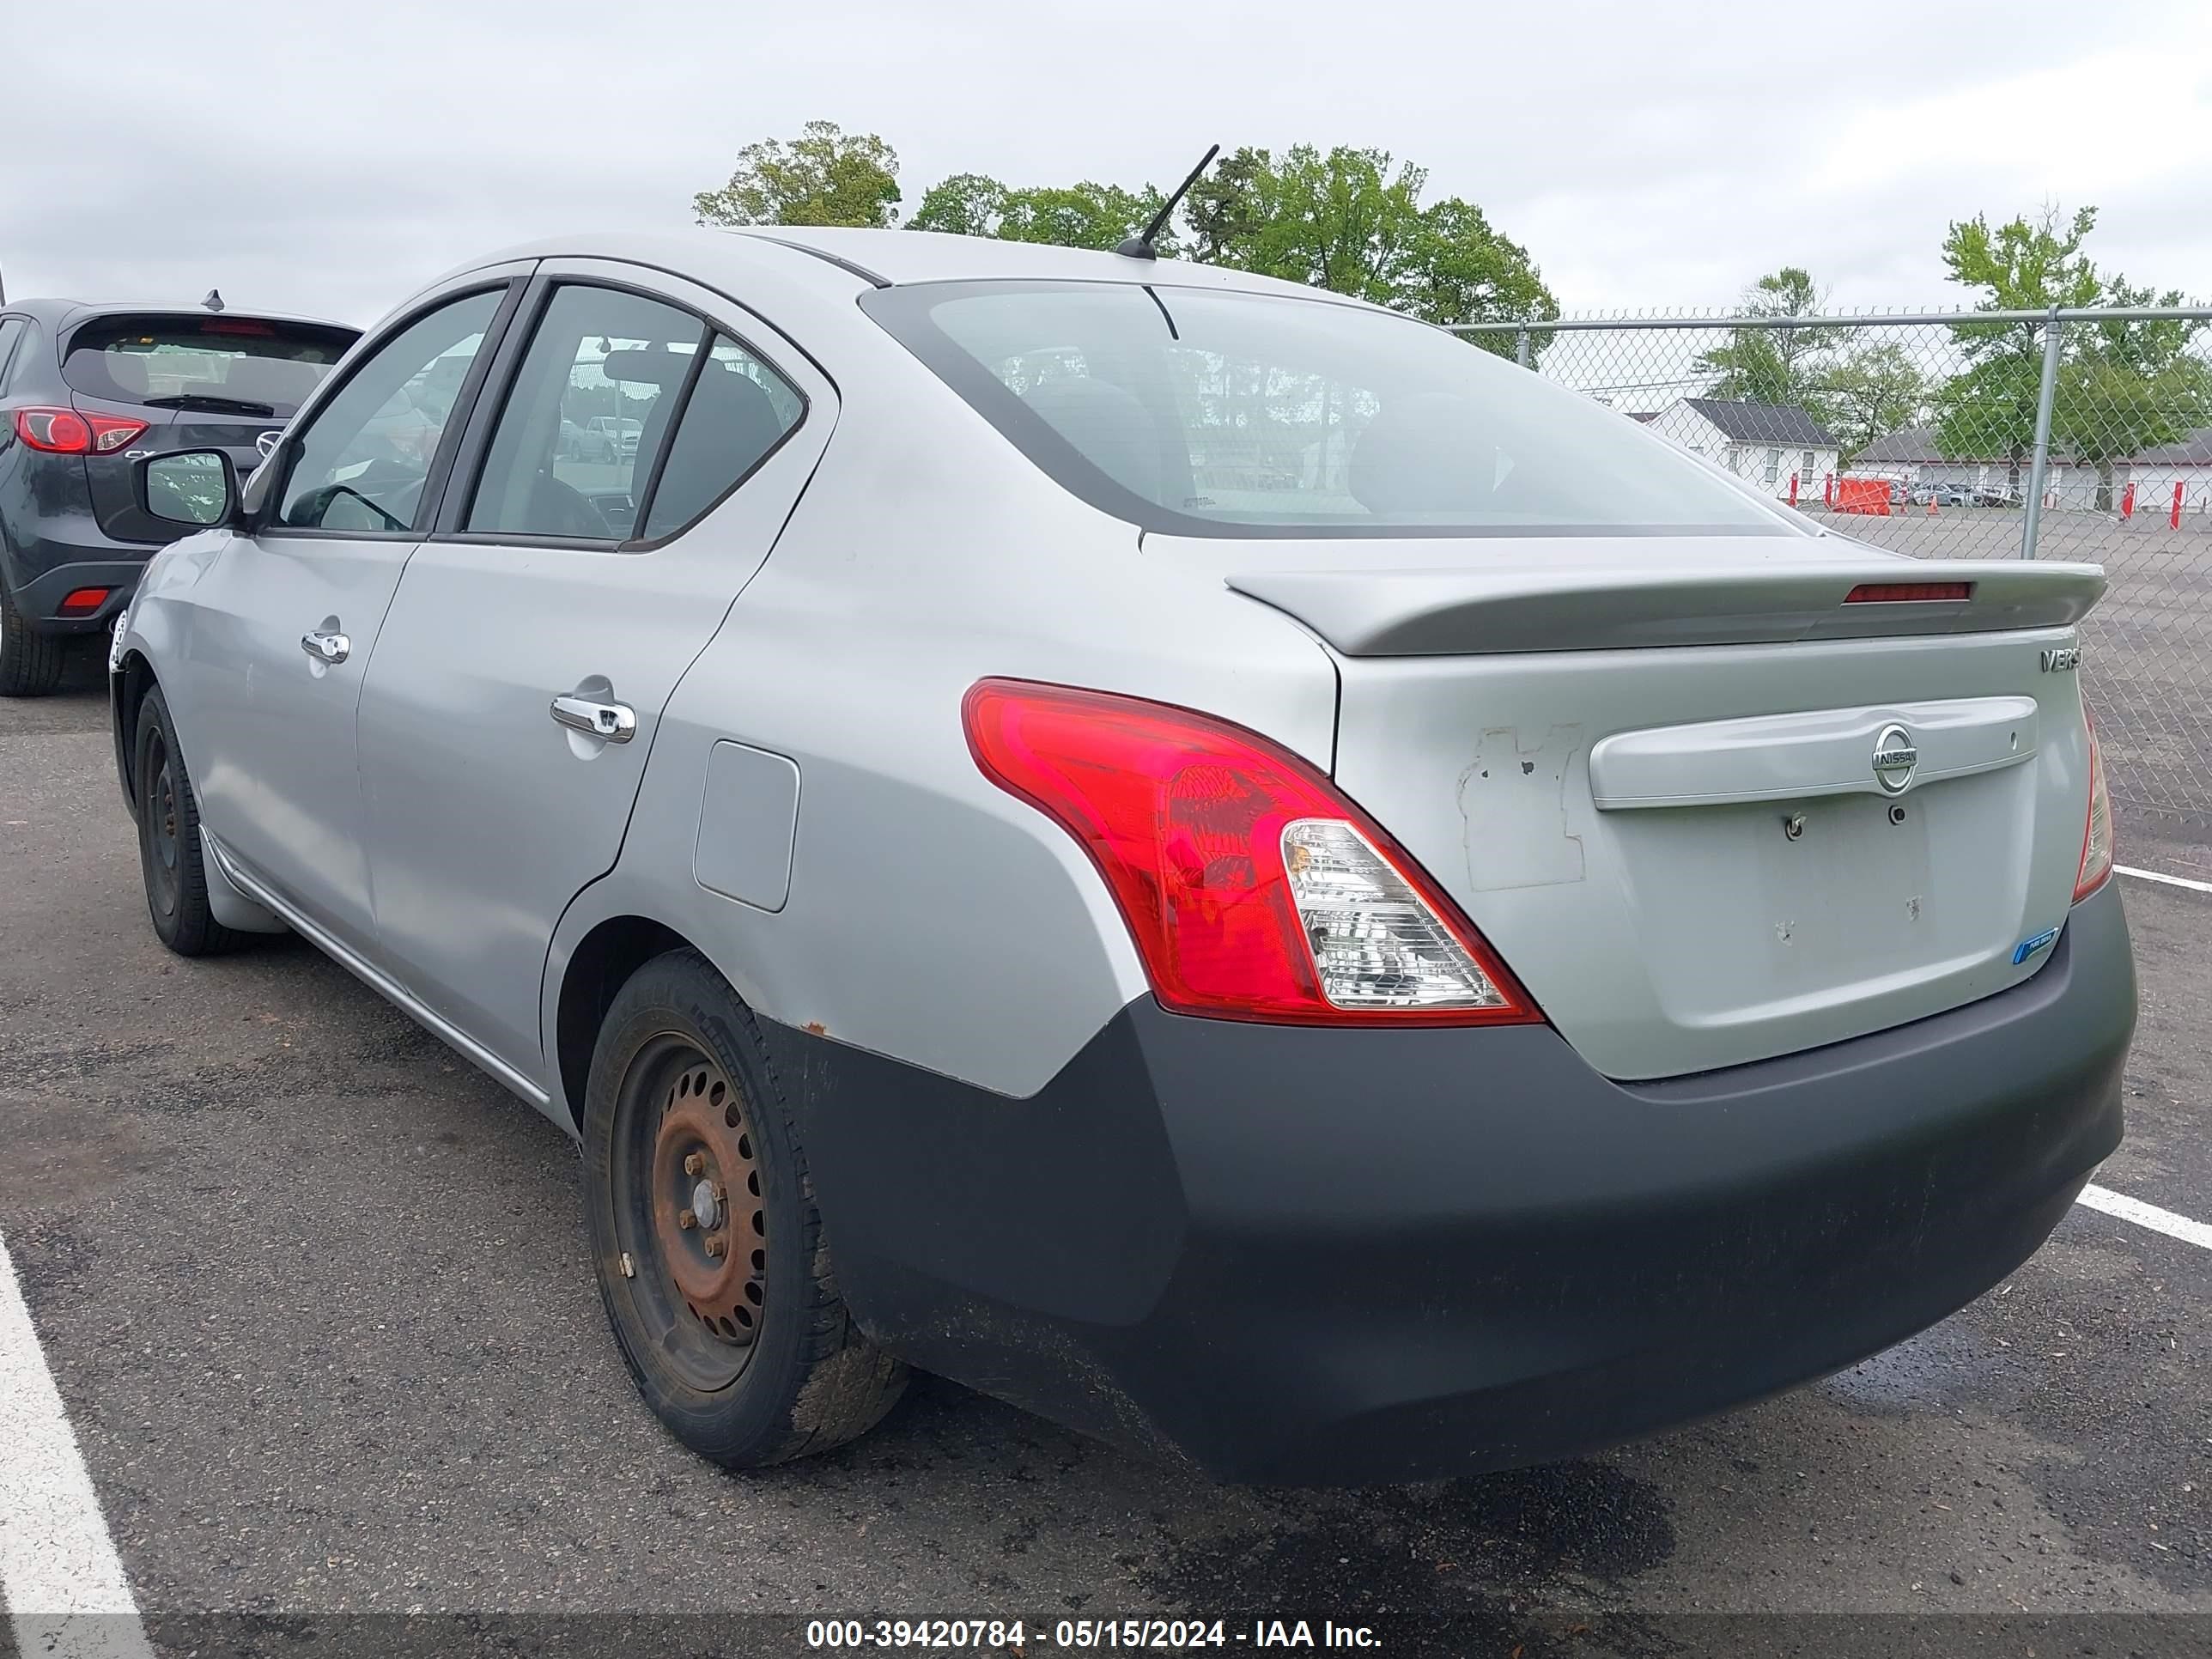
point(329, 159)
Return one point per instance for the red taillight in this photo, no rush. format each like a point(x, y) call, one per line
point(2096, 865)
point(57, 431)
point(1254, 890)
point(1907, 592)
point(65, 432)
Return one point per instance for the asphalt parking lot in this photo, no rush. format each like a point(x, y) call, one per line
point(315, 1296)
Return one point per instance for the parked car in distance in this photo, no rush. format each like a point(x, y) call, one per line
point(618, 433)
point(1939, 495)
point(1998, 495)
point(86, 392)
point(583, 443)
point(1491, 940)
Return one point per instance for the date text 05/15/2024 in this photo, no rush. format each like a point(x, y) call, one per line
point(1022, 1635)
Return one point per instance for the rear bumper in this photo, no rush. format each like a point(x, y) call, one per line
point(1345, 1256)
point(47, 571)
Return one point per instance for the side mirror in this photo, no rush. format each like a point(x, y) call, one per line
point(193, 489)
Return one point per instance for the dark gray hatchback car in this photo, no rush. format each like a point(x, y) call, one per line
point(87, 391)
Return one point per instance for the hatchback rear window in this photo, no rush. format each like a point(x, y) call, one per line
point(1202, 412)
point(223, 365)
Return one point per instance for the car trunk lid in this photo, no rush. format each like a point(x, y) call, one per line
point(1716, 802)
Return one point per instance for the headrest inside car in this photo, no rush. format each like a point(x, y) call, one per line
point(662, 368)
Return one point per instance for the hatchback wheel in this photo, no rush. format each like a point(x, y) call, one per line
point(30, 663)
point(169, 854)
point(705, 1238)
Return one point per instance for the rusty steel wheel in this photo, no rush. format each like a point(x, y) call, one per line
point(707, 1210)
point(692, 1165)
point(688, 1214)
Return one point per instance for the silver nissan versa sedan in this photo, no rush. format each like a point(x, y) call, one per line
point(1201, 857)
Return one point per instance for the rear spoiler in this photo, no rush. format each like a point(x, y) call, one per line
point(1419, 613)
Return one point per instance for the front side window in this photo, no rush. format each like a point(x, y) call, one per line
point(364, 457)
point(1773, 464)
point(1200, 412)
point(249, 365)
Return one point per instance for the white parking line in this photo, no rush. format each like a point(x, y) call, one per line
point(2160, 875)
point(58, 1570)
point(2147, 1215)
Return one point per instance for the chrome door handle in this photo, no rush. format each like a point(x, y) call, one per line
point(326, 647)
point(617, 722)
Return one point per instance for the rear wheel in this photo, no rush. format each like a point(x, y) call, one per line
point(169, 855)
point(30, 663)
point(705, 1237)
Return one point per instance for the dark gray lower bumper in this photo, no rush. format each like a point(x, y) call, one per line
point(1350, 1255)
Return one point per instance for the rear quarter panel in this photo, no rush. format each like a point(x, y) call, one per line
point(931, 916)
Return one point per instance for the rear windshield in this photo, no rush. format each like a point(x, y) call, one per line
point(224, 365)
point(1199, 412)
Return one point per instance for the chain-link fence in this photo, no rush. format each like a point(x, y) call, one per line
point(2065, 434)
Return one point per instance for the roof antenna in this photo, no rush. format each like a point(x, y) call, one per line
point(1140, 246)
point(213, 300)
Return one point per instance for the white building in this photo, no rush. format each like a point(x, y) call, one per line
point(1768, 444)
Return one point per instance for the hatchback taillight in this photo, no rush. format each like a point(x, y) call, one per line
point(1254, 890)
point(2096, 865)
point(68, 431)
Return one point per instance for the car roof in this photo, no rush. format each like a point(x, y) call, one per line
point(887, 258)
point(893, 256)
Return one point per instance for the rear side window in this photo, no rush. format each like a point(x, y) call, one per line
point(627, 419)
point(739, 410)
point(1208, 413)
point(586, 417)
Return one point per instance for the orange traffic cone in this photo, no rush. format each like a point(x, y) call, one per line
point(1932, 494)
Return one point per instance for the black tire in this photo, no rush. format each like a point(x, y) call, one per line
point(749, 1379)
point(30, 663)
point(169, 856)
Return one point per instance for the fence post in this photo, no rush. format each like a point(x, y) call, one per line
point(1521, 349)
point(2032, 522)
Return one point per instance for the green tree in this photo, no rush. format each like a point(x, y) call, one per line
point(966, 204)
point(1459, 270)
point(1875, 390)
point(825, 176)
point(1775, 365)
point(1340, 221)
point(2127, 387)
point(1085, 215)
point(2022, 265)
point(1224, 206)
point(1352, 221)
